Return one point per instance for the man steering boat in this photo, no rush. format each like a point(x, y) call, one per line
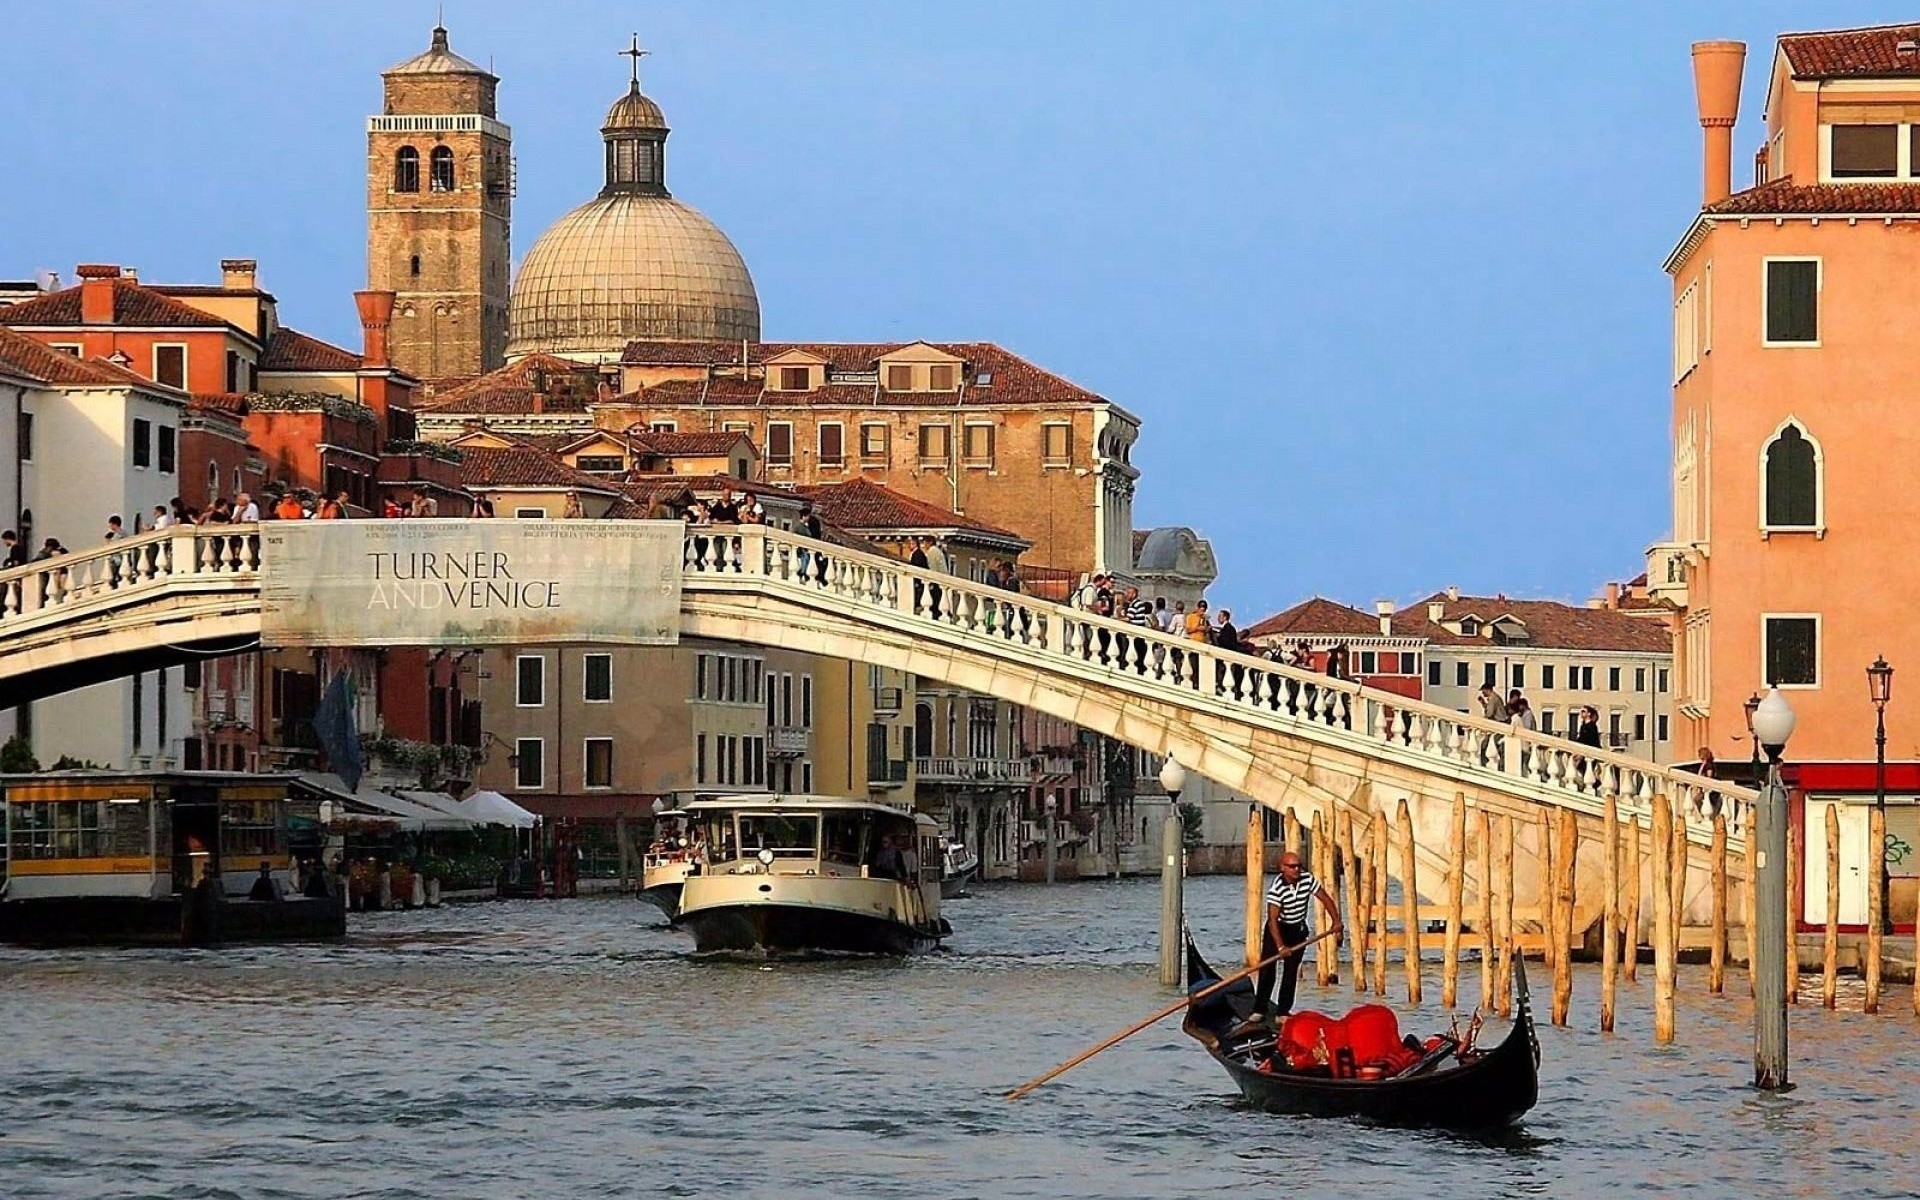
point(1289, 905)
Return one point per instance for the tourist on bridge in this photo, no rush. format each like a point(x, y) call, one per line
point(1492, 707)
point(1520, 713)
point(16, 553)
point(1587, 732)
point(1137, 612)
point(161, 517)
point(245, 511)
point(1289, 905)
point(289, 508)
point(573, 510)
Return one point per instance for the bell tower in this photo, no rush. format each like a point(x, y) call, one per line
point(439, 213)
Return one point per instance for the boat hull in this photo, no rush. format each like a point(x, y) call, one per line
point(785, 928)
point(953, 887)
point(665, 897)
point(193, 920)
point(1491, 1092)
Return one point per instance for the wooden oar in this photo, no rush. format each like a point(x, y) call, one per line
point(1164, 1013)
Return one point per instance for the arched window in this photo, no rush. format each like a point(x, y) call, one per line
point(1792, 474)
point(413, 265)
point(213, 482)
point(442, 169)
point(406, 170)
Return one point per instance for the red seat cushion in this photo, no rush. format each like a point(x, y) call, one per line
point(1300, 1036)
point(1373, 1031)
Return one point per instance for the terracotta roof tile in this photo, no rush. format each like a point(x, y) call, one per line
point(563, 386)
point(1319, 617)
point(291, 350)
point(866, 507)
point(1783, 196)
point(685, 445)
point(40, 361)
point(133, 305)
point(1550, 624)
point(235, 403)
point(994, 375)
point(525, 466)
point(1870, 53)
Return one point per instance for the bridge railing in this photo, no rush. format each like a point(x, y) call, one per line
point(1314, 706)
point(118, 569)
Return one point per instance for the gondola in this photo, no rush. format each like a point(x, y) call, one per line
point(1490, 1089)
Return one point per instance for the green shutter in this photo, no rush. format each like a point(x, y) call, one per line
point(1793, 301)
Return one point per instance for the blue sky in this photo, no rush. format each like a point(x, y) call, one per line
point(1383, 280)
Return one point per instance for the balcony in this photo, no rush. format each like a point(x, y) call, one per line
point(887, 700)
point(787, 741)
point(985, 772)
point(1054, 766)
point(1669, 564)
point(887, 773)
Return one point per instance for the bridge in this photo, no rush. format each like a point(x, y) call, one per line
point(1289, 738)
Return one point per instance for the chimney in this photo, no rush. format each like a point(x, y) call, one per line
point(1436, 610)
point(121, 359)
point(239, 274)
point(1384, 610)
point(1613, 595)
point(1453, 591)
point(1716, 89)
point(376, 315)
point(96, 292)
point(539, 402)
point(130, 274)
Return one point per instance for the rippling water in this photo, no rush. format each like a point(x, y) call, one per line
point(553, 1049)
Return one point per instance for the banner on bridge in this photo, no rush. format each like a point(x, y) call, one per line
point(469, 583)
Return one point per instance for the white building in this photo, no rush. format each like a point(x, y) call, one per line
point(88, 439)
point(1562, 656)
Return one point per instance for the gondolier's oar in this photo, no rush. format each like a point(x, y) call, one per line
point(1164, 1013)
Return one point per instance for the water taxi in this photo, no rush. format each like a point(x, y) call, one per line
point(958, 864)
point(155, 858)
point(675, 852)
point(812, 873)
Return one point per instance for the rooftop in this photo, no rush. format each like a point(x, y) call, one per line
point(868, 508)
point(1548, 624)
point(1784, 197)
point(1321, 617)
point(525, 466)
point(38, 361)
point(1869, 53)
point(133, 305)
point(291, 350)
point(559, 385)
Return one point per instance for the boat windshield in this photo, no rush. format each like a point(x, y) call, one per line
point(787, 835)
point(844, 831)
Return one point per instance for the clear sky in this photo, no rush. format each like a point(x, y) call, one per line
point(1382, 280)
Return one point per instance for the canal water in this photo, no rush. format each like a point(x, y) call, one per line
point(532, 1049)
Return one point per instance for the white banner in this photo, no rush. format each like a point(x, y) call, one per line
point(431, 582)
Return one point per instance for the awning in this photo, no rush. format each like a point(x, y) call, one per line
point(408, 815)
point(491, 808)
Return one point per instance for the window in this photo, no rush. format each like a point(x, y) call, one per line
point(786, 699)
point(1639, 727)
point(873, 442)
point(1546, 675)
point(1460, 670)
point(796, 379)
point(529, 681)
point(599, 762)
point(779, 444)
point(1660, 727)
point(1518, 675)
point(664, 426)
point(700, 758)
point(1792, 498)
point(978, 446)
point(406, 170)
point(601, 464)
point(233, 371)
point(806, 778)
point(413, 266)
point(599, 678)
point(936, 443)
point(1056, 443)
point(806, 701)
point(941, 377)
point(1660, 680)
point(1865, 151)
point(1792, 651)
point(1491, 675)
point(833, 451)
point(1639, 679)
point(70, 349)
point(899, 378)
point(168, 445)
point(773, 703)
point(143, 443)
point(24, 441)
point(1613, 679)
point(1546, 720)
point(170, 366)
point(1369, 663)
point(442, 169)
point(530, 763)
point(1433, 674)
point(529, 514)
point(1580, 677)
point(1793, 302)
point(1613, 728)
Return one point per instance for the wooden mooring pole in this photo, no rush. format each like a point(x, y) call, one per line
point(1379, 876)
point(1486, 911)
point(1681, 848)
point(1409, 902)
point(1610, 919)
point(1630, 906)
point(1717, 945)
point(1326, 956)
point(1503, 979)
point(1876, 897)
point(1349, 891)
point(1456, 896)
point(1256, 905)
point(1663, 948)
point(1830, 948)
point(1566, 854)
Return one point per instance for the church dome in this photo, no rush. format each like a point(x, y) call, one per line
point(633, 263)
point(629, 265)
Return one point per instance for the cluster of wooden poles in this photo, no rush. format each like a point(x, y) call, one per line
point(1361, 853)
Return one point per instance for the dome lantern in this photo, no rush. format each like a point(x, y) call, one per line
point(635, 132)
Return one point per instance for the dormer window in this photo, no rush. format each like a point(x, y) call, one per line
point(899, 377)
point(796, 379)
point(940, 377)
point(1469, 627)
point(1865, 151)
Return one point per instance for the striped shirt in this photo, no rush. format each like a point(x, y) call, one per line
point(1295, 898)
point(1139, 612)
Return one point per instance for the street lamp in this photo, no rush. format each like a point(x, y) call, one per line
point(1173, 777)
point(1772, 721)
point(1880, 690)
point(1052, 802)
point(1752, 705)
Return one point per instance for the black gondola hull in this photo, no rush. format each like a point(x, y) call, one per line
point(1492, 1091)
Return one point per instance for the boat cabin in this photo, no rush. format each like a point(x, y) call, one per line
point(814, 835)
point(143, 834)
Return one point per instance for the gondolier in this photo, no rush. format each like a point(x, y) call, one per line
point(1289, 903)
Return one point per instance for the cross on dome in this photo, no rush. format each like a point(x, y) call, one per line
point(635, 53)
